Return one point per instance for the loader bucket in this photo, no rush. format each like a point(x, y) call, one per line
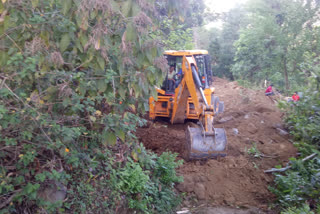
point(203, 145)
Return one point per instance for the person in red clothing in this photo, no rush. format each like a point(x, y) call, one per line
point(295, 97)
point(269, 90)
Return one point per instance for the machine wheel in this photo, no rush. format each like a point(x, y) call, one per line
point(215, 103)
point(218, 106)
point(221, 107)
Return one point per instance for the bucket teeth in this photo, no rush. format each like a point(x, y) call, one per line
point(205, 145)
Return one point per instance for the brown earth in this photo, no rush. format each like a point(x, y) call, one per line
point(237, 180)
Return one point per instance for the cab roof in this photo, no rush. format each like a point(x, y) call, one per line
point(185, 52)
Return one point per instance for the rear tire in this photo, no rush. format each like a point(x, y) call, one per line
point(221, 107)
point(215, 102)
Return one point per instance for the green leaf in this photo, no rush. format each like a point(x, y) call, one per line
point(130, 32)
point(121, 134)
point(109, 138)
point(1, 7)
point(66, 5)
point(83, 39)
point(122, 92)
point(34, 3)
point(82, 88)
point(65, 41)
point(137, 90)
point(149, 56)
point(3, 58)
point(101, 62)
point(66, 101)
point(150, 77)
point(135, 9)
point(134, 155)
point(78, 45)
point(102, 85)
point(41, 177)
point(93, 119)
point(115, 6)
point(126, 8)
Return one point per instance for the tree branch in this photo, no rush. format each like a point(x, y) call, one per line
point(288, 167)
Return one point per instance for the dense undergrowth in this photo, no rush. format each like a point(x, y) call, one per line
point(300, 185)
point(73, 74)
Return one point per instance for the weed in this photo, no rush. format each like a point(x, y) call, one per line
point(253, 151)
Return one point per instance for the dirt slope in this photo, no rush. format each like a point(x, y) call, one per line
point(237, 180)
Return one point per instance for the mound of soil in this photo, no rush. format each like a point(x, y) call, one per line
point(251, 120)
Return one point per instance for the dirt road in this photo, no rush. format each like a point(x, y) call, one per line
point(251, 121)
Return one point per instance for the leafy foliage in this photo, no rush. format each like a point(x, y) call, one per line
point(73, 74)
point(305, 210)
point(302, 182)
point(222, 47)
point(278, 41)
point(267, 40)
point(176, 28)
point(253, 151)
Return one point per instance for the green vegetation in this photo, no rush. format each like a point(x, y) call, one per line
point(301, 183)
point(72, 75)
point(303, 210)
point(253, 151)
point(279, 41)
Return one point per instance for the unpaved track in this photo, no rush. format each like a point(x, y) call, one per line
point(237, 180)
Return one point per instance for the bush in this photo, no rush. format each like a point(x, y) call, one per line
point(302, 210)
point(71, 74)
point(302, 182)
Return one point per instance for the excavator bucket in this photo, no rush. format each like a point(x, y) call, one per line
point(203, 145)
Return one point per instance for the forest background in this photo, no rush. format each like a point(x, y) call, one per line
point(75, 73)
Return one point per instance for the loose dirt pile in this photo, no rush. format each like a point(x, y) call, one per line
point(250, 120)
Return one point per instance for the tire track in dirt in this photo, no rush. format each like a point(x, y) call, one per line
point(238, 180)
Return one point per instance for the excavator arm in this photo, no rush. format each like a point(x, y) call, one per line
point(204, 141)
point(186, 87)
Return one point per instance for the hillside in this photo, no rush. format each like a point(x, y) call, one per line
point(253, 125)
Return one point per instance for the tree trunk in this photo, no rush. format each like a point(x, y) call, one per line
point(285, 72)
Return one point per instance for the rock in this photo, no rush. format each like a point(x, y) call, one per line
point(187, 185)
point(235, 131)
point(225, 119)
point(55, 191)
point(200, 191)
point(245, 100)
point(252, 128)
point(230, 200)
point(180, 187)
point(282, 132)
point(183, 212)
point(246, 116)
point(262, 121)
point(277, 125)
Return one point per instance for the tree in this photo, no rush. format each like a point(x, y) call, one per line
point(221, 46)
point(275, 40)
point(176, 28)
point(72, 74)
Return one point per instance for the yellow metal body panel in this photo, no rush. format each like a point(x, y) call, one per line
point(183, 91)
point(158, 109)
point(185, 52)
point(184, 104)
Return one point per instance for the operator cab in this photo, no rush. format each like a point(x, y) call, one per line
point(174, 73)
point(204, 69)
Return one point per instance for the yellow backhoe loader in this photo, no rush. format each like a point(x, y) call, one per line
point(186, 94)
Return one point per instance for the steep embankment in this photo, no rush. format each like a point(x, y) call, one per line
point(251, 121)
